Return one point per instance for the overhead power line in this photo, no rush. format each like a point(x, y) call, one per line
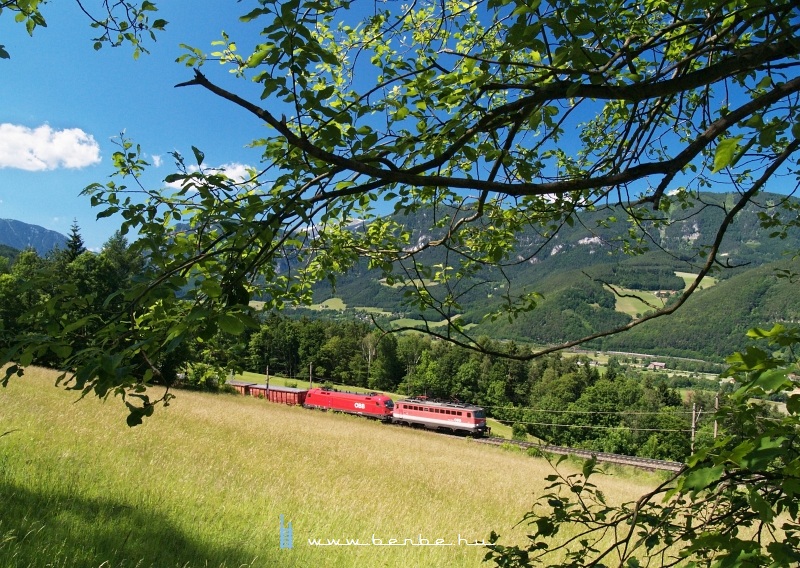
point(623, 412)
point(607, 427)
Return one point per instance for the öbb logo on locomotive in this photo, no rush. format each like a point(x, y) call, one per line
point(419, 412)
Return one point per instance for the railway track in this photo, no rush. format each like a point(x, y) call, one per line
point(619, 459)
point(644, 463)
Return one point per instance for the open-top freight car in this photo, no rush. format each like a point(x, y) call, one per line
point(455, 417)
point(273, 393)
point(286, 395)
point(373, 405)
point(242, 387)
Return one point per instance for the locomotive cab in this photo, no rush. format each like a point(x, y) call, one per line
point(454, 417)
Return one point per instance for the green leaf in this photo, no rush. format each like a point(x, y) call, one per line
point(703, 478)
point(62, 351)
point(107, 212)
point(793, 404)
point(588, 466)
point(726, 149)
point(211, 288)
point(765, 451)
point(770, 380)
point(199, 156)
point(134, 418)
point(230, 324)
point(258, 57)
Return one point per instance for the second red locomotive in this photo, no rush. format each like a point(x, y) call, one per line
point(374, 405)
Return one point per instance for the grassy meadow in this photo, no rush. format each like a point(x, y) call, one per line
point(204, 481)
point(638, 302)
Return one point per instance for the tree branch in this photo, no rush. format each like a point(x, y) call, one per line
point(410, 176)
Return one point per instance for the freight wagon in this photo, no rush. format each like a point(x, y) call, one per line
point(283, 395)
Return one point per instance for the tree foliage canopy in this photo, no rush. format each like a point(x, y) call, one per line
point(734, 504)
point(493, 116)
point(117, 21)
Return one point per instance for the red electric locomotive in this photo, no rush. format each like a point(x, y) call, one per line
point(373, 405)
point(434, 415)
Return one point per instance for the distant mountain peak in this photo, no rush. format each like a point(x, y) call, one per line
point(21, 236)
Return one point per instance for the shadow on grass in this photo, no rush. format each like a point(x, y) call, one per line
point(67, 531)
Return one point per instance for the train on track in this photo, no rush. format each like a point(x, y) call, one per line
point(421, 412)
point(417, 412)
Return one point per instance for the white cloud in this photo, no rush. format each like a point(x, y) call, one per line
point(157, 161)
point(237, 172)
point(43, 148)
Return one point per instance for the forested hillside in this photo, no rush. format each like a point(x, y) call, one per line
point(713, 323)
point(588, 276)
point(587, 273)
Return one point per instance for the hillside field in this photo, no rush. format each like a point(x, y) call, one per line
point(204, 481)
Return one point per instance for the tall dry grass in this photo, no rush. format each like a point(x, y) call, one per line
point(204, 481)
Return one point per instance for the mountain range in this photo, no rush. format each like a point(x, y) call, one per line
point(20, 236)
point(587, 284)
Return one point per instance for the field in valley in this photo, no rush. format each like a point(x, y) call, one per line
point(205, 481)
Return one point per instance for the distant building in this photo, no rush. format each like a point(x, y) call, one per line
point(657, 365)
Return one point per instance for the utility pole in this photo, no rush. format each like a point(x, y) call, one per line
point(311, 375)
point(695, 419)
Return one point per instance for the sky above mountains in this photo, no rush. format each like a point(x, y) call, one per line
point(63, 104)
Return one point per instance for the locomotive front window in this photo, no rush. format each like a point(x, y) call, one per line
point(479, 414)
point(389, 404)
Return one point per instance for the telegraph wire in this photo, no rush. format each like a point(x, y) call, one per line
point(622, 412)
point(606, 427)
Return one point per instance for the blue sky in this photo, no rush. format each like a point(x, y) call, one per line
point(63, 102)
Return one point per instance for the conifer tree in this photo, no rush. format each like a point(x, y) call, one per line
point(75, 245)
